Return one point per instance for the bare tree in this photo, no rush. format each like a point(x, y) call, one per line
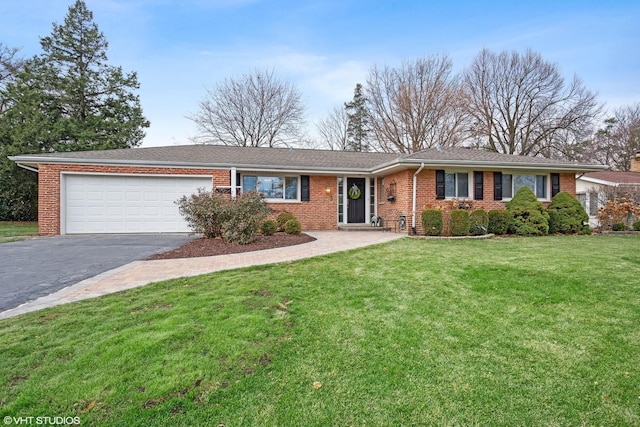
point(617, 143)
point(255, 110)
point(10, 64)
point(520, 104)
point(333, 129)
point(416, 106)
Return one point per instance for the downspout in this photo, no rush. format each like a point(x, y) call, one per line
point(413, 210)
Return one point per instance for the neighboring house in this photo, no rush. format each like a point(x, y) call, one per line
point(134, 190)
point(594, 188)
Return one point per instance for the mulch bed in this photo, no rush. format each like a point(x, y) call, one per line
point(211, 247)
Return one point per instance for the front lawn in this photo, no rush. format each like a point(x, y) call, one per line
point(11, 231)
point(514, 331)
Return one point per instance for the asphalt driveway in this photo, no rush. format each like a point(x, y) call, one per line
point(30, 269)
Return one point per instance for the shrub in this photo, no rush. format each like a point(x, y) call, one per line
point(566, 214)
point(619, 226)
point(282, 219)
point(459, 225)
point(528, 215)
point(269, 227)
point(498, 221)
point(247, 213)
point(292, 226)
point(205, 212)
point(478, 222)
point(217, 215)
point(432, 222)
point(636, 226)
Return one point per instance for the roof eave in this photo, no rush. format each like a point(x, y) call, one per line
point(568, 167)
point(35, 161)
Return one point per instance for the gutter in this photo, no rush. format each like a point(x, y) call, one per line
point(413, 210)
point(29, 168)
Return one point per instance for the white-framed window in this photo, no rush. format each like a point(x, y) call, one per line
point(456, 184)
point(274, 188)
point(511, 183)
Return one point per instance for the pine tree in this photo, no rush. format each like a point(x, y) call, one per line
point(66, 99)
point(87, 103)
point(358, 128)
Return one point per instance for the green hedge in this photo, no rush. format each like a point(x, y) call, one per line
point(459, 224)
point(282, 219)
point(528, 215)
point(566, 214)
point(269, 227)
point(498, 221)
point(292, 227)
point(432, 222)
point(478, 222)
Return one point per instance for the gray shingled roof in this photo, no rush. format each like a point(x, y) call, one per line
point(619, 177)
point(299, 159)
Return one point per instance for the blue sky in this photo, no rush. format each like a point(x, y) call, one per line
point(181, 47)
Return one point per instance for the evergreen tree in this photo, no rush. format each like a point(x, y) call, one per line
point(358, 127)
point(66, 99)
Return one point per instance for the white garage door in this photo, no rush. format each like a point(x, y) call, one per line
point(126, 204)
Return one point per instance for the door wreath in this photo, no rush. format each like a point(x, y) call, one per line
point(354, 192)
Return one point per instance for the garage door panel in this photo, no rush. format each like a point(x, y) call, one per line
point(126, 204)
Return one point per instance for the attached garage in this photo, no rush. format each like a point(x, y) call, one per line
point(94, 203)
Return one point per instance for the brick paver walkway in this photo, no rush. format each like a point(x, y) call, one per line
point(140, 273)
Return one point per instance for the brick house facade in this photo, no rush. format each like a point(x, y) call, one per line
point(311, 184)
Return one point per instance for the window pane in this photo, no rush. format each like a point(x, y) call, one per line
point(449, 185)
point(541, 186)
point(593, 204)
point(291, 188)
point(463, 185)
point(520, 181)
point(270, 186)
point(249, 183)
point(507, 190)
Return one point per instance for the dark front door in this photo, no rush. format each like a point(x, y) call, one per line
point(355, 200)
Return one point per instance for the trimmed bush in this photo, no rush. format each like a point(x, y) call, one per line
point(459, 225)
point(217, 215)
point(619, 226)
point(282, 219)
point(247, 213)
point(528, 215)
point(432, 222)
point(269, 227)
point(636, 226)
point(205, 212)
point(292, 227)
point(498, 221)
point(478, 222)
point(566, 214)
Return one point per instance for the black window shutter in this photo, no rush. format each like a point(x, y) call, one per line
point(439, 184)
point(497, 186)
point(305, 193)
point(478, 185)
point(555, 184)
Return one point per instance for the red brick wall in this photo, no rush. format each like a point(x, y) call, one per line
point(321, 211)
point(49, 186)
point(426, 195)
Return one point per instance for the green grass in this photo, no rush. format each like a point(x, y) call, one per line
point(11, 231)
point(516, 331)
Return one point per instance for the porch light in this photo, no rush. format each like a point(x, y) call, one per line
point(328, 190)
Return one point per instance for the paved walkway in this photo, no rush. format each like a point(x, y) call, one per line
point(141, 273)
